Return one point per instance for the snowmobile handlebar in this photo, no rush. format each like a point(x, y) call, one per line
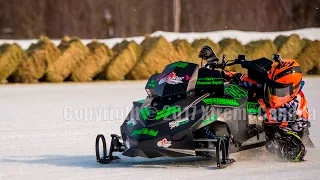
point(259, 65)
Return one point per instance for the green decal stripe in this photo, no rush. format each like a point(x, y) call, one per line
point(144, 113)
point(145, 131)
point(294, 134)
point(209, 120)
point(152, 83)
point(221, 101)
point(179, 64)
point(166, 112)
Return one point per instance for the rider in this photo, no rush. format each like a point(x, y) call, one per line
point(278, 90)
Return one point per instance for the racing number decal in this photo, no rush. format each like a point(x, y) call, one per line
point(236, 92)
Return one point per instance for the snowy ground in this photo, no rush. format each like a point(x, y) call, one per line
point(216, 36)
point(45, 134)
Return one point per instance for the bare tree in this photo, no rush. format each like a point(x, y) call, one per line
point(176, 14)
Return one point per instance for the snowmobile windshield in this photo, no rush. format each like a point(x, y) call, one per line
point(279, 89)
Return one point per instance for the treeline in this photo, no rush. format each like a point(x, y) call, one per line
point(101, 19)
point(71, 60)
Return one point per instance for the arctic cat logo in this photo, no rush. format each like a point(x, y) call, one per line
point(236, 92)
point(164, 143)
point(177, 123)
point(172, 78)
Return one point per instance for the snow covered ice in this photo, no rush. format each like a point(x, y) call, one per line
point(43, 135)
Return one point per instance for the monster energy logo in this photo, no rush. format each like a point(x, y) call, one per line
point(209, 81)
point(179, 64)
point(145, 131)
point(236, 91)
point(221, 101)
point(209, 120)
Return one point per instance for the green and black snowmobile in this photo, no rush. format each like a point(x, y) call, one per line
point(190, 111)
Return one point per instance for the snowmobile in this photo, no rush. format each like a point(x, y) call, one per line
point(191, 111)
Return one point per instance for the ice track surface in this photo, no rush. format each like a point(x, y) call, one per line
point(43, 135)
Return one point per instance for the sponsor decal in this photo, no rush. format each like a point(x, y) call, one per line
point(172, 78)
point(178, 123)
point(152, 114)
point(221, 101)
point(167, 111)
point(209, 120)
point(209, 81)
point(132, 122)
point(164, 143)
point(145, 131)
point(253, 108)
point(236, 92)
point(151, 84)
point(179, 64)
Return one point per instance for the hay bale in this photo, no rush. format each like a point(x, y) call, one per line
point(10, 58)
point(231, 48)
point(72, 52)
point(40, 56)
point(157, 53)
point(198, 44)
point(185, 51)
point(94, 63)
point(261, 48)
point(309, 58)
point(288, 46)
point(305, 43)
point(126, 56)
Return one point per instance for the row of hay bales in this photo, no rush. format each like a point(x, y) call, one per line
point(74, 61)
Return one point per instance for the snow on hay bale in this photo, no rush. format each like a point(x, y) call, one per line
point(309, 58)
point(199, 43)
point(94, 63)
point(72, 52)
point(157, 53)
point(10, 58)
point(288, 46)
point(231, 48)
point(185, 51)
point(261, 48)
point(125, 58)
point(40, 56)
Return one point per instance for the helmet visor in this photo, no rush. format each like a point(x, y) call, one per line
point(279, 89)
